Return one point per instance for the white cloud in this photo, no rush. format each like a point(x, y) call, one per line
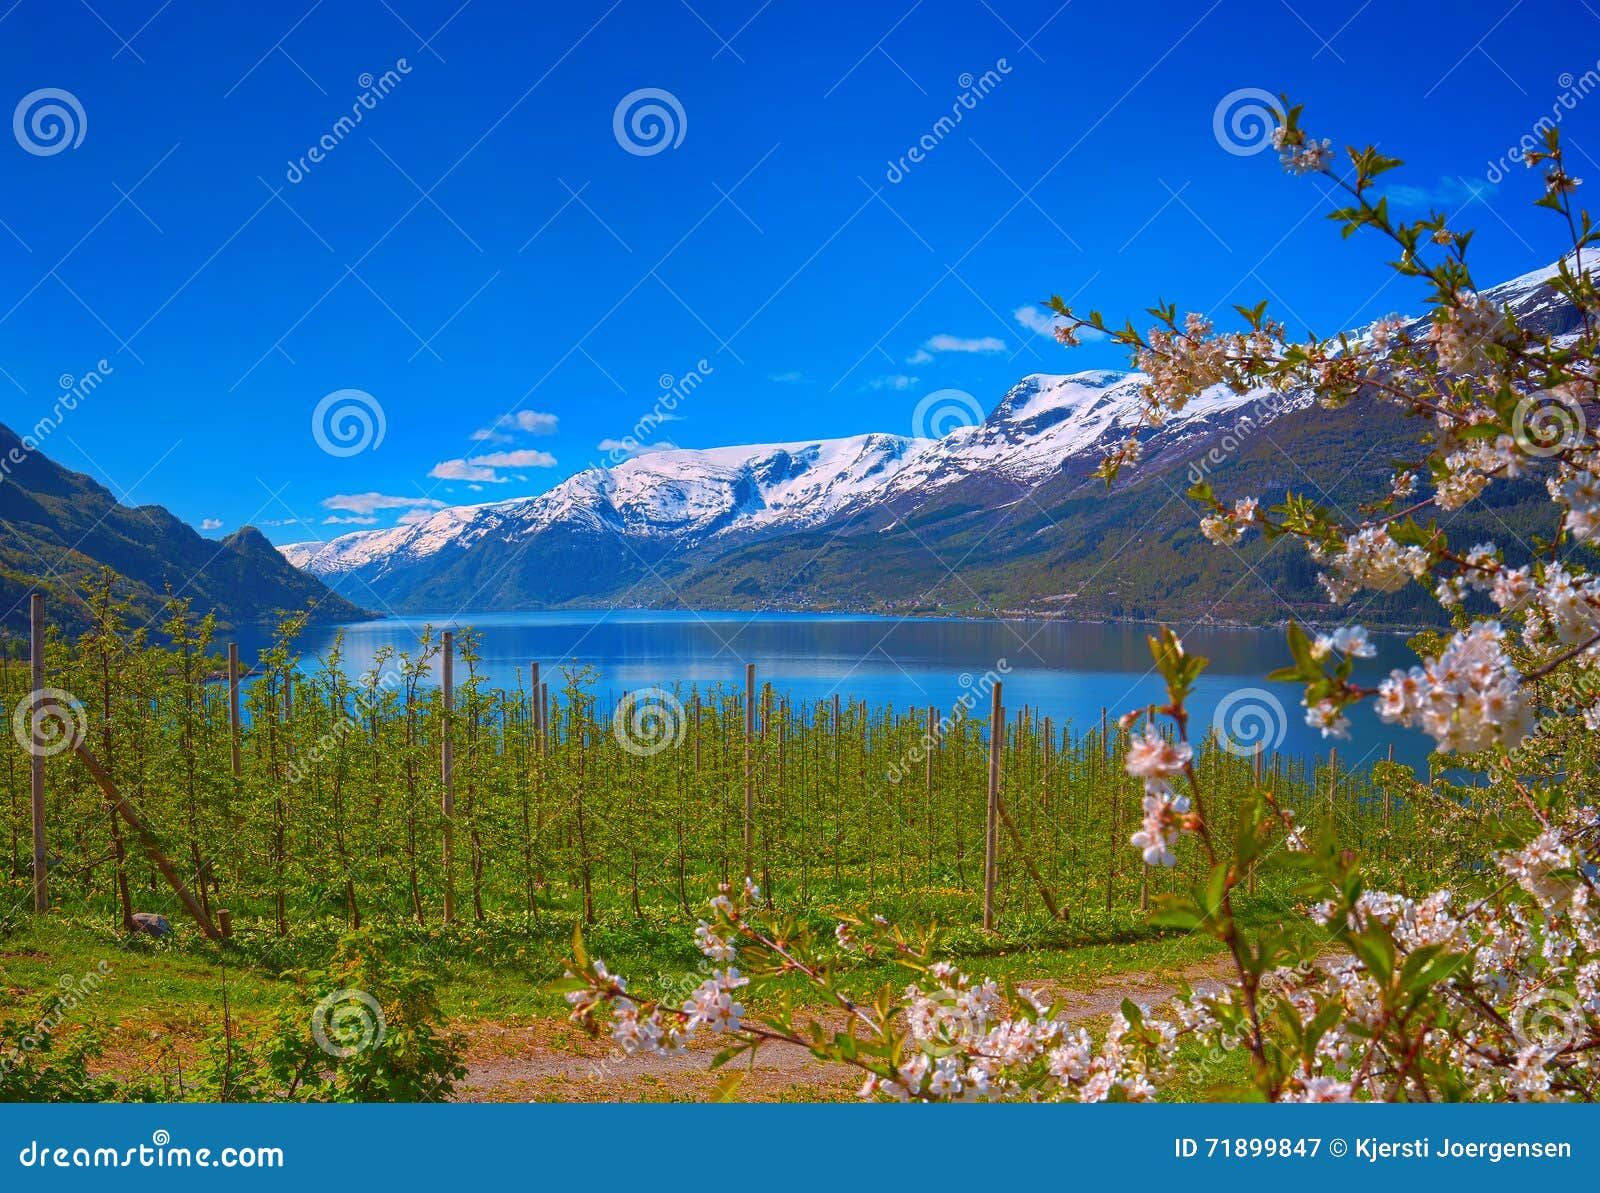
point(948, 343)
point(527, 422)
point(1036, 320)
point(1042, 322)
point(1448, 192)
point(483, 468)
point(211, 524)
point(787, 378)
point(516, 459)
point(632, 447)
point(895, 381)
point(367, 503)
point(460, 470)
point(412, 517)
point(352, 520)
point(920, 357)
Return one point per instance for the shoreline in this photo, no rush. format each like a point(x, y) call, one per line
point(1023, 616)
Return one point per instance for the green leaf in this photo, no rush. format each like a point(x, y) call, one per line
point(1132, 1013)
point(1376, 952)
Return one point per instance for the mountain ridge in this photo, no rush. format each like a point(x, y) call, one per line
point(1000, 515)
point(60, 527)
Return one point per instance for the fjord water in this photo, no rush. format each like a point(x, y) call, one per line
point(1065, 670)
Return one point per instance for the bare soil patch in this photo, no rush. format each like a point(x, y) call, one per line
point(550, 1060)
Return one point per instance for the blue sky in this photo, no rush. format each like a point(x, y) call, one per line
point(485, 258)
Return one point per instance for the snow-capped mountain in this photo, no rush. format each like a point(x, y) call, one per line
point(1046, 425)
point(882, 519)
point(682, 496)
point(686, 498)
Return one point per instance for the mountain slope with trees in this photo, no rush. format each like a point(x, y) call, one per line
point(59, 528)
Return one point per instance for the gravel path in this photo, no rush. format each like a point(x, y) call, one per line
point(550, 1060)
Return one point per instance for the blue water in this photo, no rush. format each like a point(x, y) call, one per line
point(1065, 670)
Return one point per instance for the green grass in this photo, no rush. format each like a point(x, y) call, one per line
point(178, 987)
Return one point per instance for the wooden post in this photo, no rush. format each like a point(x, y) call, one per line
point(1388, 797)
point(1112, 852)
point(447, 764)
point(147, 838)
point(233, 708)
point(41, 863)
point(535, 704)
point(991, 840)
point(749, 768)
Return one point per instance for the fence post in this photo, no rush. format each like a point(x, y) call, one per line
point(41, 864)
point(534, 704)
point(233, 708)
point(447, 775)
point(120, 806)
point(1387, 796)
point(749, 768)
point(991, 840)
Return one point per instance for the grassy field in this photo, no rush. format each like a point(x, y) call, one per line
point(326, 806)
point(161, 1001)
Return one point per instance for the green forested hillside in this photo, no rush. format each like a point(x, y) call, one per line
point(1074, 548)
point(58, 528)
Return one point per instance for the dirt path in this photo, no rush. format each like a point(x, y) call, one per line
point(552, 1061)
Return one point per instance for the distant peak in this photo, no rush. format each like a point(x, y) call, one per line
point(1092, 378)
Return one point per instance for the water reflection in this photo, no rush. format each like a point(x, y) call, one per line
point(1065, 670)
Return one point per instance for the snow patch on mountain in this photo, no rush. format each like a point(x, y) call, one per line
point(681, 495)
point(1044, 423)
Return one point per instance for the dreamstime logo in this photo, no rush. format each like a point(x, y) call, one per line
point(48, 721)
point(73, 993)
point(1244, 119)
point(347, 422)
point(1549, 1020)
point(648, 121)
point(674, 992)
point(673, 392)
point(648, 721)
point(977, 690)
point(372, 90)
point(73, 391)
point(1249, 420)
point(367, 700)
point(944, 411)
point(1574, 90)
point(1250, 721)
point(348, 1022)
point(1547, 423)
point(48, 121)
point(972, 90)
